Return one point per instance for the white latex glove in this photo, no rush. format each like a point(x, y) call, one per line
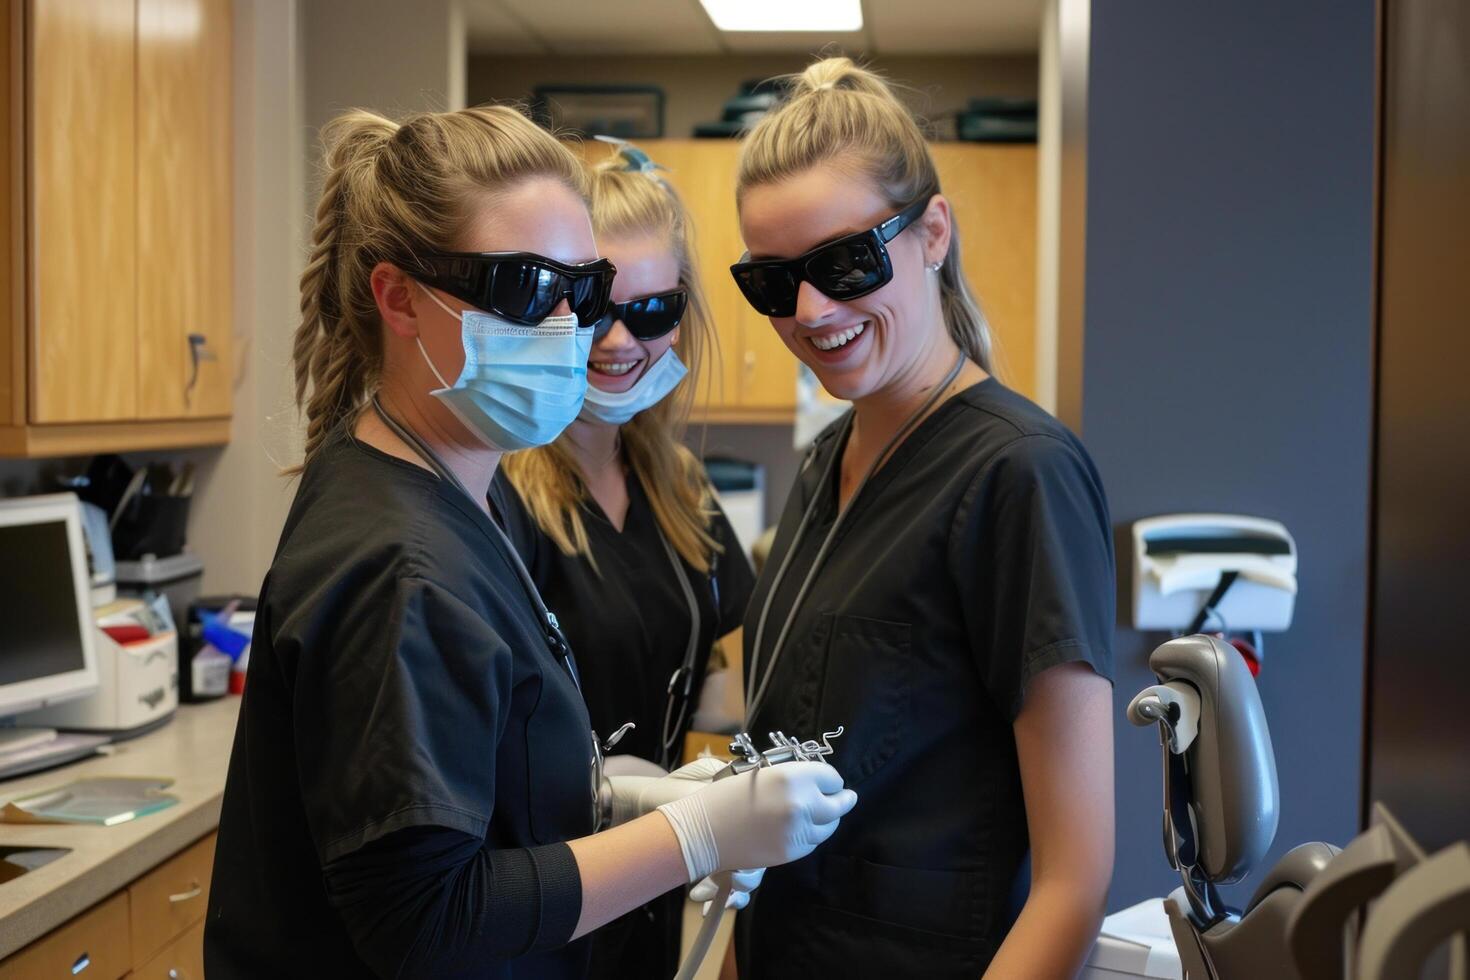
point(624, 764)
point(760, 818)
point(633, 796)
point(742, 884)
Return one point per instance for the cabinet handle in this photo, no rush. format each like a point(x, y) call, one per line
point(81, 964)
point(198, 351)
point(193, 892)
point(174, 973)
point(749, 361)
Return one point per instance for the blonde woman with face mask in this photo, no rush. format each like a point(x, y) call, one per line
point(415, 786)
point(941, 582)
point(617, 523)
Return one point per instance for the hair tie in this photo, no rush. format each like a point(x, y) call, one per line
point(635, 161)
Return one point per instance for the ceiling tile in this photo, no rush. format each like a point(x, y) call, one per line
point(493, 30)
point(755, 42)
point(620, 27)
point(954, 26)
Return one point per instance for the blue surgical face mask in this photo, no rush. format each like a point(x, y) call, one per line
point(617, 407)
point(520, 386)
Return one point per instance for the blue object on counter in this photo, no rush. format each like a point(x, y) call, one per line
point(230, 642)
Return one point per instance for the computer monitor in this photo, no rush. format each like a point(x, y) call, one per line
point(47, 653)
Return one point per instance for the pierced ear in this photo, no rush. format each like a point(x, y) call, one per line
point(397, 296)
point(937, 225)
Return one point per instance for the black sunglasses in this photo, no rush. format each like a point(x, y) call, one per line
point(844, 268)
point(522, 287)
point(647, 318)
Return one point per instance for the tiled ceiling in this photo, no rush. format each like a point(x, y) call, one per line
point(623, 27)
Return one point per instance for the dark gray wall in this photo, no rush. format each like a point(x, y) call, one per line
point(1228, 341)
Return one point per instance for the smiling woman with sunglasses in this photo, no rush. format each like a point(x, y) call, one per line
point(616, 520)
point(415, 783)
point(941, 582)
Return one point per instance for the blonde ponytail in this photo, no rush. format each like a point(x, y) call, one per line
point(628, 198)
point(837, 110)
point(392, 192)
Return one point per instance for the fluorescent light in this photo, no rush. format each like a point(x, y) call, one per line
point(785, 15)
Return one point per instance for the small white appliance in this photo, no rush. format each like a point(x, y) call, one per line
point(138, 683)
point(1240, 570)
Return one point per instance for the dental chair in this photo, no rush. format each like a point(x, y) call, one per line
point(1221, 805)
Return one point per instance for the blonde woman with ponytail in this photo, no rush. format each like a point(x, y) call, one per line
point(415, 787)
point(941, 583)
point(617, 523)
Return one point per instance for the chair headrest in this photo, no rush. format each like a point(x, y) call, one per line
point(1232, 788)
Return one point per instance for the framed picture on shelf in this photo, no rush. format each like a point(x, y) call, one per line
point(625, 111)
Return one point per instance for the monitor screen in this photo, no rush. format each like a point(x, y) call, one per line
point(39, 632)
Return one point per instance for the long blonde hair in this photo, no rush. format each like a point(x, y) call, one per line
point(392, 192)
point(839, 111)
point(629, 199)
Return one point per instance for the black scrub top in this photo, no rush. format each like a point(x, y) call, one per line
point(399, 684)
point(978, 556)
point(628, 619)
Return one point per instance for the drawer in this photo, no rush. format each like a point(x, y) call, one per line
point(182, 959)
point(93, 945)
point(170, 898)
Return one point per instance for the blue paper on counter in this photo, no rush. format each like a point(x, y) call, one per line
point(105, 800)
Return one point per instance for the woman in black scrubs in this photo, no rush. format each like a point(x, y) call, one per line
point(941, 582)
point(618, 525)
point(412, 790)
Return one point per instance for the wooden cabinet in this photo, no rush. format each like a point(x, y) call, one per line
point(993, 190)
point(94, 944)
point(171, 897)
point(118, 210)
point(153, 928)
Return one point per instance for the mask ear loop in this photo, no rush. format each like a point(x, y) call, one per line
point(418, 338)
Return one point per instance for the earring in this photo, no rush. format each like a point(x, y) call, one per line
point(934, 266)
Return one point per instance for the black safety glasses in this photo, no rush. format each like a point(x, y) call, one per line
point(845, 268)
point(647, 318)
point(522, 287)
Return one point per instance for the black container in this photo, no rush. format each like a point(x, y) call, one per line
point(191, 638)
point(151, 525)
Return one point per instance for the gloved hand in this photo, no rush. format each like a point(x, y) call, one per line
point(624, 764)
point(759, 818)
point(743, 883)
point(633, 796)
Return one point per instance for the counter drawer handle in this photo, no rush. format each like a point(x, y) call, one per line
point(194, 892)
point(174, 974)
point(81, 964)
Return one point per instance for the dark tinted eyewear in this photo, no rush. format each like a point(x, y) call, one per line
point(845, 268)
point(521, 287)
point(647, 318)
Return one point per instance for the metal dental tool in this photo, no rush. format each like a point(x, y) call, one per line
point(783, 748)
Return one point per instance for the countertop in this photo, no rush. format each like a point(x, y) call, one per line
point(193, 749)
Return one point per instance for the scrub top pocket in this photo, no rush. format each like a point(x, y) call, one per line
point(866, 688)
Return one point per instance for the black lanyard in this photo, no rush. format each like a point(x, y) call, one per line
point(555, 639)
point(681, 683)
point(756, 690)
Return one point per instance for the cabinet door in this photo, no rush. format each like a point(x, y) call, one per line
point(703, 172)
point(185, 199)
point(992, 190)
point(83, 350)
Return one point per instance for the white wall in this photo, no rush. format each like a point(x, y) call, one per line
point(241, 499)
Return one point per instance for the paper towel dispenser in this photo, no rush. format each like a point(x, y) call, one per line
point(1212, 572)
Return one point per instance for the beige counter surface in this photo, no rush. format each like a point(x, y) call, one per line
point(193, 750)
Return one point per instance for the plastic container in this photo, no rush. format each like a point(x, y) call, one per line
point(178, 579)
